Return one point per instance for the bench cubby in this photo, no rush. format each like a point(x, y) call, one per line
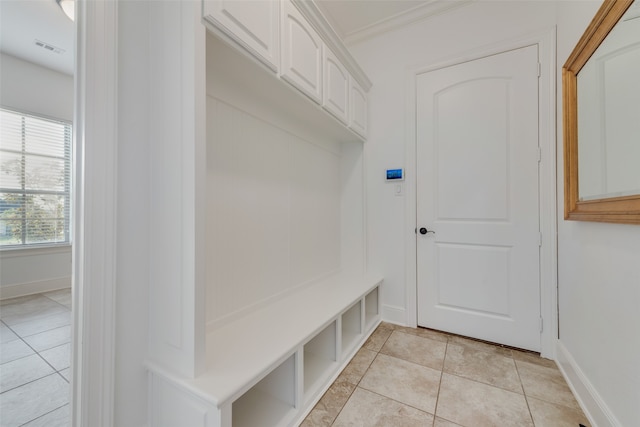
point(351, 326)
point(272, 401)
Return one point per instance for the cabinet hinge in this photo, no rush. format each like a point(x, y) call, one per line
point(540, 239)
point(539, 154)
point(539, 69)
point(541, 325)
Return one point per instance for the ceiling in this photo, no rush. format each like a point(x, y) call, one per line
point(23, 23)
point(355, 20)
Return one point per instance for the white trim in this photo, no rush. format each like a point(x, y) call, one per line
point(545, 39)
point(548, 193)
point(314, 15)
point(30, 288)
point(177, 309)
point(18, 252)
point(418, 13)
point(394, 314)
point(593, 406)
point(94, 261)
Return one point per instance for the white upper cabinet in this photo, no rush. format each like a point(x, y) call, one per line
point(336, 87)
point(301, 53)
point(293, 39)
point(358, 108)
point(254, 24)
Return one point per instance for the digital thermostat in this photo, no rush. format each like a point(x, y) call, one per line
point(395, 174)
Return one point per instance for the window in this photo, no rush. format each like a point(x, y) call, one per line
point(35, 180)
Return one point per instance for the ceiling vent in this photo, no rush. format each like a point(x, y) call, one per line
point(49, 47)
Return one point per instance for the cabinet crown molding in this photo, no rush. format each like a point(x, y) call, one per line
point(313, 14)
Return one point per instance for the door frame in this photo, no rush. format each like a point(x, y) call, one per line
point(546, 41)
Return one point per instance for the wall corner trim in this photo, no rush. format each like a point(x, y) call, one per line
point(587, 396)
point(95, 188)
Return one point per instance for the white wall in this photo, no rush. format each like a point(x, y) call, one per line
point(30, 88)
point(387, 60)
point(284, 200)
point(599, 286)
point(273, 203)
point(599, 272)
point(133, 224)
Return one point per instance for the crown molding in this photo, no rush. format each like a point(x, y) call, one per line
point(415, 14)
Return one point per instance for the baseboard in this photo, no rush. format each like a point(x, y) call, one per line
point(594, 407)
point(23, 289)
point(393, 314)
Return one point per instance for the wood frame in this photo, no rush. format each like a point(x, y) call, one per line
point(626, 209)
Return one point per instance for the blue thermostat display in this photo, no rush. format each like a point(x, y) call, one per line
point(395, 174)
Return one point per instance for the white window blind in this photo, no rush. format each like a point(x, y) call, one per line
point(35, 180)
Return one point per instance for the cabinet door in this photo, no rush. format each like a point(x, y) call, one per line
point(358, 109)
point(254, 24)
point(301, 53)
point(336, 87)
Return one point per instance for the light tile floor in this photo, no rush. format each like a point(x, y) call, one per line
point(35, 349)
point(419, 377)
point(400, 377)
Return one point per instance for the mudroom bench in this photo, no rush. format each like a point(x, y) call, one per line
point(269, 367)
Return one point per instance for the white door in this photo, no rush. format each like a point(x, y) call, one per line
point(477, 190)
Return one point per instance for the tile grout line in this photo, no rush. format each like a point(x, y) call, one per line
point(30, 421)
point(362, 376)
point(526, 400)
point(435, 409)
point(55, 371)
point(29, 382)
point(509, 354)
point(36, 352)
point(345, 403)
point(382, 395)
point(20, 336)
point(58, 302)
point(442, 370)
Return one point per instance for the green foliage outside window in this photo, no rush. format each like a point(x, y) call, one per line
point(35, 180)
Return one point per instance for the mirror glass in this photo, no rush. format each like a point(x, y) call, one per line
point(609, 114)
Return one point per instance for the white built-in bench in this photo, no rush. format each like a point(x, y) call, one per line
point(271, 366)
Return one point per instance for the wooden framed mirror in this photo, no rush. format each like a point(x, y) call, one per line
point(601, 118)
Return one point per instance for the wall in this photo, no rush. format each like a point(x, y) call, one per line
point(133, 224)
point(599, 286)
point(387, 60)
point(273, 211)
point(30, 88)
point(599, 273)
point(279, 194)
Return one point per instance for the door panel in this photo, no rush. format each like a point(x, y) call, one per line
point(463, 121)
point(477, 189)
point(488, 292)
